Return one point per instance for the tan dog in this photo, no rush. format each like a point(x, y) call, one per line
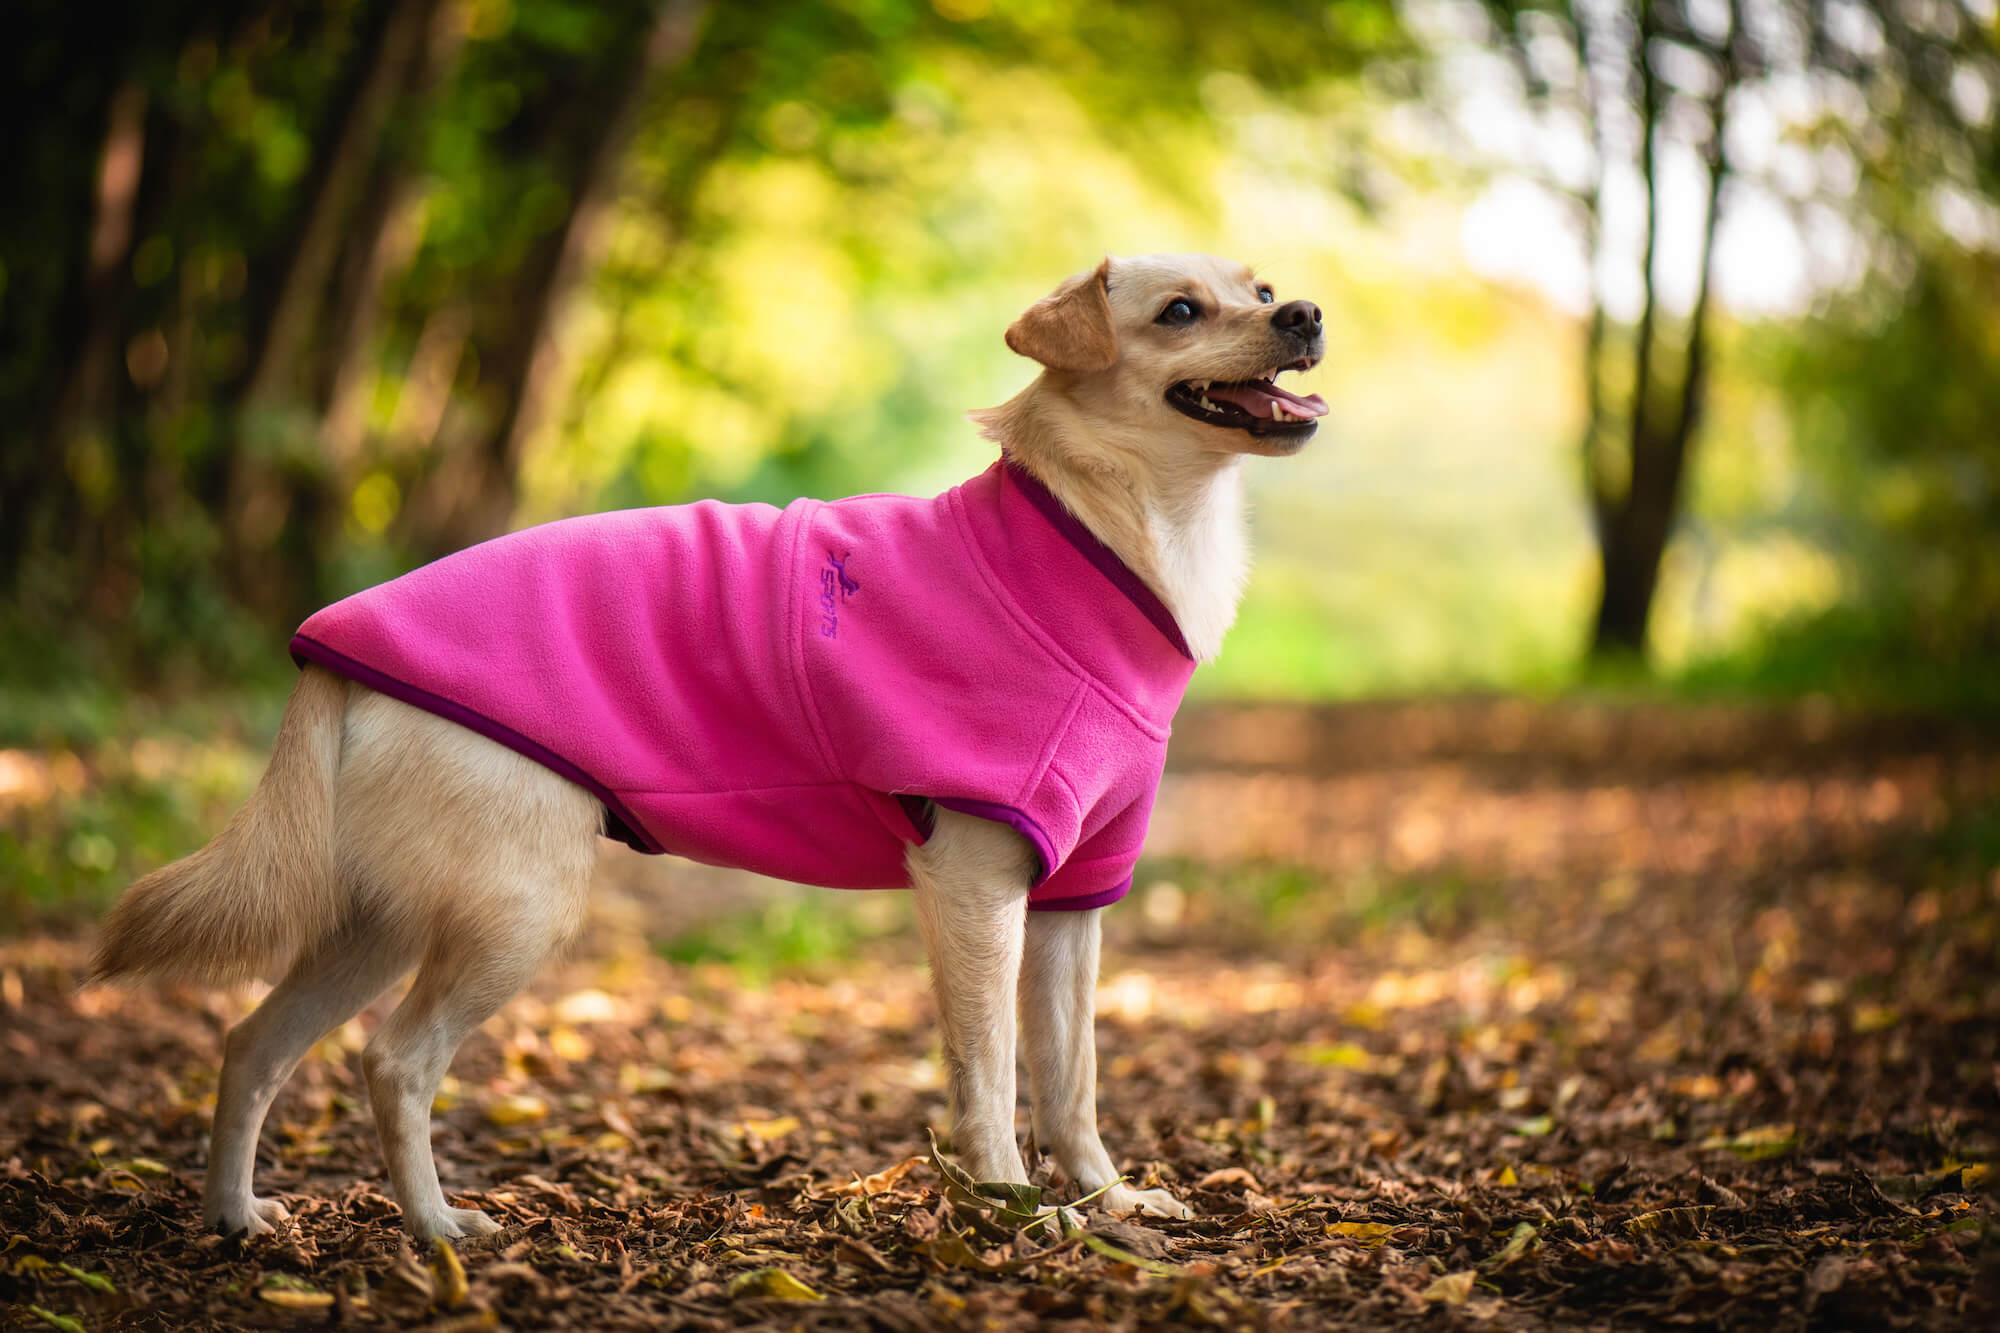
point(384, 839)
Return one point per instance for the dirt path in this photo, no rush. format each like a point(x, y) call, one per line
point(1484, 1015)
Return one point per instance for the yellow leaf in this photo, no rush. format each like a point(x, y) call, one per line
point(1759, 1143)
point(519, 1109)
point(1370, 1234)
point(775, 1128)
point(146, 1166)
point(1875, 1017)
point(1507, 1177)
point(644, 1078)
point(1340, 1054)
point(451, 1275)
point(294, 1298)
point(1975, 1175)
point(571, 1044)
point(770, 1284)
point(1451, 1289)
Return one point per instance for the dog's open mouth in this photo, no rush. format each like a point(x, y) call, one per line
point(1258, 406)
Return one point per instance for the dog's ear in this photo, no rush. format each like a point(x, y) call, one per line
point(1070, 329)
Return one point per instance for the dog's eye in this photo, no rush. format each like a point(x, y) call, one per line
point(1178, 312)
point(1266, 295)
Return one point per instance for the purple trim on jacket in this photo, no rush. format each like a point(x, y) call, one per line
point(1018, 820)
point(1089, 902)
point(1103, 557)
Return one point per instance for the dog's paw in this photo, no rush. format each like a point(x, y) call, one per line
point(1152, 1203)
point(249, 1217)
point(454, 1224)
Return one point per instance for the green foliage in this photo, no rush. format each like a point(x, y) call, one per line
point(1895, 395)
point(766, 259)
point(794, 932)
point(97, 788)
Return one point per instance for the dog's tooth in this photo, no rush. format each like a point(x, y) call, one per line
point(1278, 413)
point(1208, 405)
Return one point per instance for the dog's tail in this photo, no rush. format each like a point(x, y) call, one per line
point(265, 889)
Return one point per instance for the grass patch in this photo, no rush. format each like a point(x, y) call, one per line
point(796, 933)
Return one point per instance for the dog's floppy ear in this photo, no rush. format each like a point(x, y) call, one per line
point(1070, 329)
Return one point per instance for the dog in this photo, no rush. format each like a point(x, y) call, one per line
point(967, 696)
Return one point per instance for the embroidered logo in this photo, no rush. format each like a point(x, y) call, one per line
point(834, 588)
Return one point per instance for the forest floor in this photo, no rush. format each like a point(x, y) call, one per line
point(1469, 1014)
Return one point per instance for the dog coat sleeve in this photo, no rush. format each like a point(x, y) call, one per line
point(1099, 872)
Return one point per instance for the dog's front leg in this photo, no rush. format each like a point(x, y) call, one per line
point(1058, 1000)
point(971, 882)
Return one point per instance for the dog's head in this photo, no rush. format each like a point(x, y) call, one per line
point(1185, 346)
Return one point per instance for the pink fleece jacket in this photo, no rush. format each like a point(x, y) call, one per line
point(782, 690)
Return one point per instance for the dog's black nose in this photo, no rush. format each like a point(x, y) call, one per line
point(1300, 317)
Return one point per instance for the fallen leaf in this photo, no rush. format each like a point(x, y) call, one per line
point(1516, 1246)
point(144, 1166)
point(1370, 1234)
point(520, 1108)
point(451, 1289)
point(1339, 1054)
point(1756, 1144)
point(1670, 1221)
point(1228, 1175)
point(95, 1281)
point(879, 1183)
point(770, 1284)
point(1451, 1289)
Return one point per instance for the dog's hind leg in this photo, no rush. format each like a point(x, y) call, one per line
point(1058, 994)
point(482, 859)
point(460, 986)
point(323, 990)
point(971, 882)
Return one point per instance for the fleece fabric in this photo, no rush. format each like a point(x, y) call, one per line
point(784, 690)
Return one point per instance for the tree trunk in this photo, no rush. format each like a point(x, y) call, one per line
point(271, 566)
point(302, 291)
point(391, 227)
point(475, 492)
point(1633, 531)
point(89, 394)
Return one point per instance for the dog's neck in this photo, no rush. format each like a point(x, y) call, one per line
point(1178, 524)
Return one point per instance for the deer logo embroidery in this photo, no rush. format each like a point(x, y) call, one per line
point(835, 587)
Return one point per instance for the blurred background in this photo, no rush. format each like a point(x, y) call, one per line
point(1663, 340)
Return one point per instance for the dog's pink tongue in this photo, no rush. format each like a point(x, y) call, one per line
point(1258, 399)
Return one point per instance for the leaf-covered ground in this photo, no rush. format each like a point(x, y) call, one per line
point(1475, 1014)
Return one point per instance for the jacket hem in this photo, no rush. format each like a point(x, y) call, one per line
point(621, 823)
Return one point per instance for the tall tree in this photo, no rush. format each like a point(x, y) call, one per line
point(1654, 79)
